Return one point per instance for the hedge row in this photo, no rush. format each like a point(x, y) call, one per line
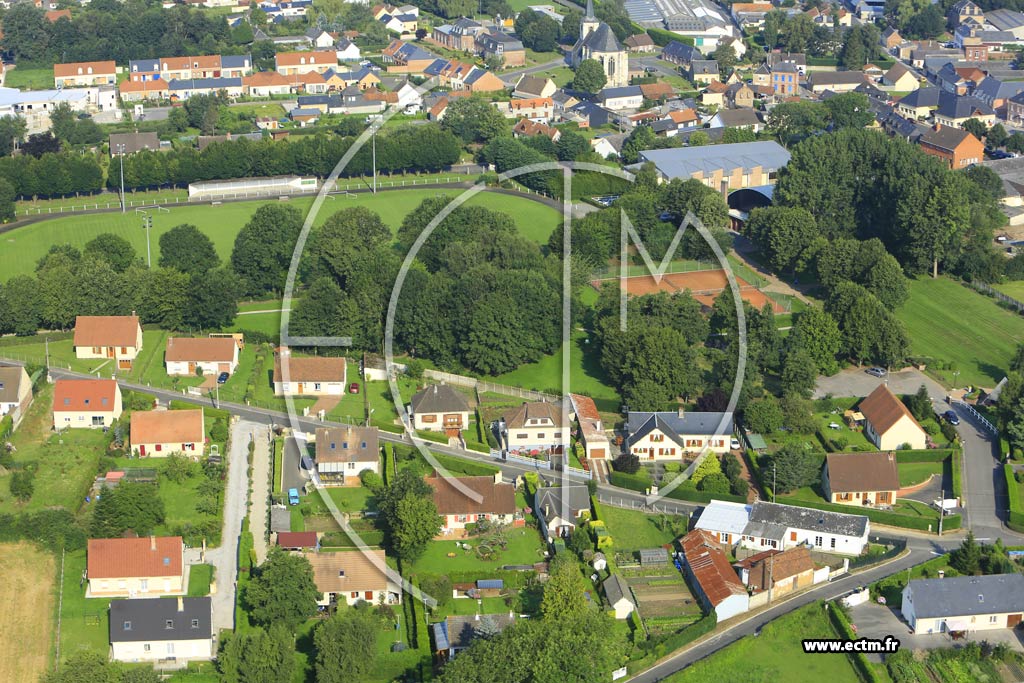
point(957, 470)
point(843, 630)
point(211, 413)
point(1016, 516)
point(595, 507)
point(692, 495)
point(633, 482)
point(246, 547)
point(880, 516)
point(6, 426)
point(662, 37)
point(51, 529)
point(52, 336)
point(466, 467)
point(932, 455)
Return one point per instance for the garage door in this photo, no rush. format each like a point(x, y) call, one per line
point(597, 453)
point(224, 367)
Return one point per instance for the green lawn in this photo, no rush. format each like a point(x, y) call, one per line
point(258, 110)
point(953, 324)
point(29, 79)
point(561, 75)
point(916, 472)
point(632, 530)
point(524, 547)
point(84, 622)
point(66, 463)
point(776, 655)
point(1014, 289)
point(199, 577)
point(585, 375)
point(468, 606)
point(23, 247)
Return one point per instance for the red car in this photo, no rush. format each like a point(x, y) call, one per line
point(353, 388)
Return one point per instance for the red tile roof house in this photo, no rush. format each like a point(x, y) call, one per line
point(85, 403)
point(298, 541)
point(497, 502)
point(317, 376)
point(135, 567)
point(210, 355)
point(118, 337)
point(888, 423)
point(158, 433)
point(714, 579)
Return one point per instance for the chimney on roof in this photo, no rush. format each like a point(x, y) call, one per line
point(181, 604)
point(497, 477)
point(938, 126)
point(681, 411)
point(152, 542)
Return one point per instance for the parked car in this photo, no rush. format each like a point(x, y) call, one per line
point(353, 388)
point(951, 417)
point(293, 496)
point(877, 372)
point(734, 444)
point(222, 377)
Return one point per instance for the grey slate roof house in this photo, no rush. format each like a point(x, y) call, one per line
point(619, 597)
point(964, 603)
point(679, 427)
point(558, 508)
point(151, 629)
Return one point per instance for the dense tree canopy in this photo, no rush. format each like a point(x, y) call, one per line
point(281, 591)
point(187, 249)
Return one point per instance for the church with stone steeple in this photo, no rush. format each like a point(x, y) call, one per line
point(598, 42)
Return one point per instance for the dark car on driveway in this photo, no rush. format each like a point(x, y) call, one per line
point(222, 377)
point(951, 417)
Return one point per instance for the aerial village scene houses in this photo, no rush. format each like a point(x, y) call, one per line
point(256, 423)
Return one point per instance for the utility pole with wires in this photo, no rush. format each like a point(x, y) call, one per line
point(373, 142)
point(147, 223)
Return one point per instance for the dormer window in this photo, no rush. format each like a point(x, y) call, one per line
point(195, 623)
point(86, 401)
point(67, 401)
point(127, 626)
point(169, 624)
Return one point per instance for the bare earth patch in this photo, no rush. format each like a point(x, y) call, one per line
point(27, 594)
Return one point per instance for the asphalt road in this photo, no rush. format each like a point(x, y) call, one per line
point(293, 474)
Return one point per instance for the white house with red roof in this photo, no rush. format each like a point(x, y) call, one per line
point(135, 567)
point(158, 433)
point(116, 337)
point(85, 403)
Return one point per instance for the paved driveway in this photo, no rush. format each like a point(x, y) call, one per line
point(294, 476)
point(225, 558)
point(856, 382)
point(878, 621)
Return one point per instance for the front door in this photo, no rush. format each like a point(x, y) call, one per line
point(142, 451)
point(110, 352)
point(191, 367)
point(301, 386)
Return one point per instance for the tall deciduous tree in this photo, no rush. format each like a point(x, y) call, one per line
point(793, 466)
point(130, 506)
point(475, 120)
point(282, 591)
point(114, 249)
point(590, 76)
point(264, 247)
point(564, 597)
point(816, 332)
point(346, 645)
point(188, 249)
point(409, 514)
point(258, 656)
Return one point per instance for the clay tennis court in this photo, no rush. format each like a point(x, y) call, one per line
point(704, 284)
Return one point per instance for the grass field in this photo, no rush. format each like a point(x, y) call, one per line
point(84, 622)
point(21, 248)
point(524, 547)
point(585, 375)
point(258, 110)
point(777, 655)
point(916, 472)
point(27, 591)
point(954, 324)
point(632, 530)
point(199, 577)
point(29, 79)
point(1014, 289)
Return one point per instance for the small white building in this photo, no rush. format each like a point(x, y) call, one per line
point(15, 392)
point(964, 603)
point(619, 596)
point(206, 355)
point(155, 629)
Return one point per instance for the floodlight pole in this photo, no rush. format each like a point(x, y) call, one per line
point(373, 140)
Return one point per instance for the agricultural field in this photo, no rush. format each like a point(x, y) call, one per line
point(29, 603)
point(21, 248)
point(979, 345)
point(776, 655)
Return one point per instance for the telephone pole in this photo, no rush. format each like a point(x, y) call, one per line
point(147, 223)
point(373, 142)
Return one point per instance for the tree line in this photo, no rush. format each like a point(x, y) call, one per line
point(424, 148)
